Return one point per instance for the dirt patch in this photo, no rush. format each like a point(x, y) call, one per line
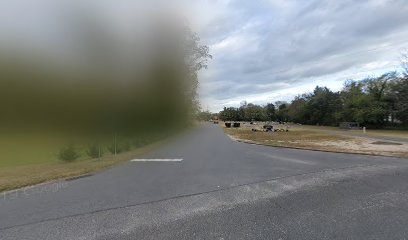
point(366, 146)
point(385, 143)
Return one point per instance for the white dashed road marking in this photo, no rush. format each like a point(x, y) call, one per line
point(157, 160)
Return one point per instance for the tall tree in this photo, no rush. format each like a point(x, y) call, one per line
point(282, 114)
point(399, 99)
point(254, 112)
point(229, 114)
point(322, 106)
point(297, 111)
point(270, 112)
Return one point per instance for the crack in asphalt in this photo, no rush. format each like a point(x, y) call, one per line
point(188, 195)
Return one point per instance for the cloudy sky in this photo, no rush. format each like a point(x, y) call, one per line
point(263, 50)
point(271, 50)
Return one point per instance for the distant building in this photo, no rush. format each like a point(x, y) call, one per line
point(392, 119)
point(349, 125)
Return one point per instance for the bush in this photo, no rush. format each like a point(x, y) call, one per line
point(125, 146)
point(137, 142)
point(111, 149)
point(120, 147)
point(94, 151)
point(68, 153)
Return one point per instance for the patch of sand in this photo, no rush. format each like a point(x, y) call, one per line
point(365, 145)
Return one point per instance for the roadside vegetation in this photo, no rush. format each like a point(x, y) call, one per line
point(37, 170)
point(100, 104)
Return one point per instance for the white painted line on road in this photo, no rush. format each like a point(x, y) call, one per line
point(157, 160)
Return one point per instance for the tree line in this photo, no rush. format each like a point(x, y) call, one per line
point(375, 102)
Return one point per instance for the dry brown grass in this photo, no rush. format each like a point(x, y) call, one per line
point(373, 132)
point(291, 136)
point(317, 140)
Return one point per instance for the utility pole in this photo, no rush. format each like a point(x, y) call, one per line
point(99, 152)
point(114, 142)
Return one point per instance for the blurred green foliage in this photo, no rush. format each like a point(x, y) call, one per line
point(94, 150)
point(68, 153)
point(37, 93)
point(140, 93)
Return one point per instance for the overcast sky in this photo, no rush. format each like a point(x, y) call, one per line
point(263, 50)
point(272, 50)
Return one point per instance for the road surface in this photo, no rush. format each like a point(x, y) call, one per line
point(221, 189)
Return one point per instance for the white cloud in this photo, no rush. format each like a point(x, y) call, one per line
point(263, 50)
point(268, 50)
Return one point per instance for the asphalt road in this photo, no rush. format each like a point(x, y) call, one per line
point(221, 190)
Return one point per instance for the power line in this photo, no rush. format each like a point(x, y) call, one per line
point(326, 59)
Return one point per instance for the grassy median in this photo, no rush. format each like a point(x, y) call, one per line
point(369, 132)
point(294, 138)
point(318, 140)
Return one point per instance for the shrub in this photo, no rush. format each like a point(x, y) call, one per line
point(120, 147)
point(111, 149)
point(137, 142)
point(94, 151)
point(68, 153)
point(125, 146)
